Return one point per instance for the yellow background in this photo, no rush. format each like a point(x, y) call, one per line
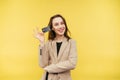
point(94, 24)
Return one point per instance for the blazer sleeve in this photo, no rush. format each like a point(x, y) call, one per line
point(65, 65)
point(43, 56)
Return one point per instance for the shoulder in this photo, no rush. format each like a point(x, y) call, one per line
point(72, 40)
point(72, 43)
point(48, 42)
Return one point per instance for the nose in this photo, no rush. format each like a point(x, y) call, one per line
point(61, 26)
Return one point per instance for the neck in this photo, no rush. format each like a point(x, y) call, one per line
point(59, 38)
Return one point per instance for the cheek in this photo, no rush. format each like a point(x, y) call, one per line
point(64, 27)
point(54, 28)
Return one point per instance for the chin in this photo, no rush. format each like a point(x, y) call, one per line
point(61, 34)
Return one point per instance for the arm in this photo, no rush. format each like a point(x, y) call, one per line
point(43, 55)
point(43, 50)
point(65, 65)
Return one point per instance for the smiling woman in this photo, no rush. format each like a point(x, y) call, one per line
point(94, 24)
point(58, 27)
point(58, 56)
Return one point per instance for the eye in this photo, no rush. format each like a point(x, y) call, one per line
point(56, 24)
point(62, 23)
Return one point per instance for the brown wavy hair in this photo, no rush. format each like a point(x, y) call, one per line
point(52, 34)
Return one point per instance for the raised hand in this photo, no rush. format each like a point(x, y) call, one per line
point(39, 35)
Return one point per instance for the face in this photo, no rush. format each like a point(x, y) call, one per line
point(58, 26)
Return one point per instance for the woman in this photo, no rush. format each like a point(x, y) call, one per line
point(58, 55)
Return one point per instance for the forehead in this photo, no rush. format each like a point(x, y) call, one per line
point(57, 19)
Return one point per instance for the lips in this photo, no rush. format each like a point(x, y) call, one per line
point(61, 30)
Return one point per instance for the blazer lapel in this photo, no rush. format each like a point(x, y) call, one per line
point(62, 48)
point(54, 49)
